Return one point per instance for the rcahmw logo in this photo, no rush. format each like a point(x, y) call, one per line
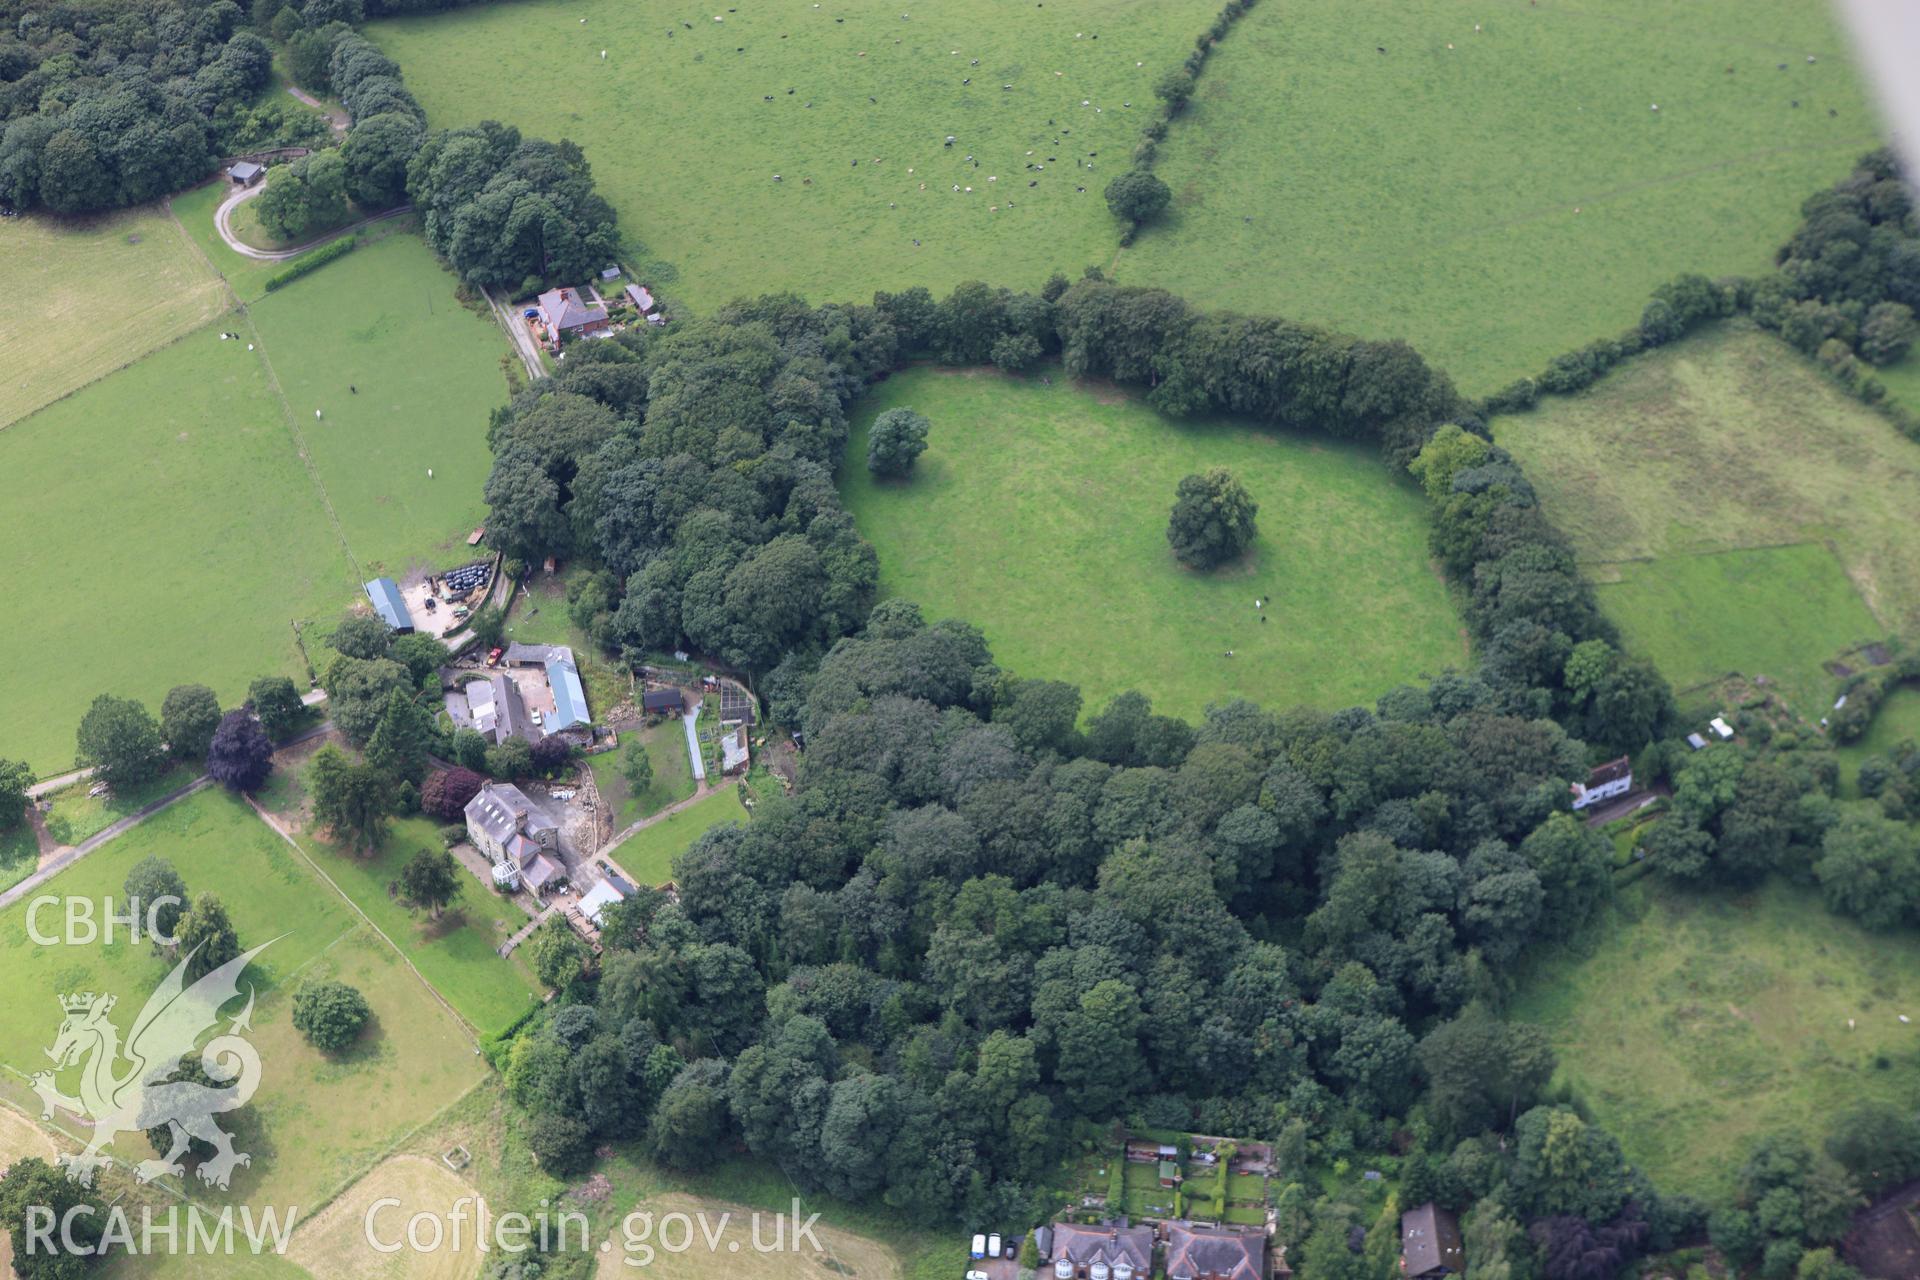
point(127, 1085)
point(161, 1231)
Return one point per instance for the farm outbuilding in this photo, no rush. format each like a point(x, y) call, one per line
point(245, 173)
point(569, 699)
point(384, 594)
point(1430, 1244)
point(668, 701)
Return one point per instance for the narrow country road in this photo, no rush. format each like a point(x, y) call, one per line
point(67, 857)
point(517, 333)
point(222, 224)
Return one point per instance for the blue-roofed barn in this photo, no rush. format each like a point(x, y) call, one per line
point(388, 603)
point(569, 699)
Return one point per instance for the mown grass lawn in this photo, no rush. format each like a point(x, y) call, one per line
point(1039, 514)
point(19, 854)
point(247, 277)
point(1903, 381)
point(649, 855)
point(456, 953)
point(683, 140)
point(1897, 720)
point(77, 815)
point(1730, 441)
point(86, 296)
point(1512, 196)
point(317, 1119)
point(666, 747)
point(1694, 1023)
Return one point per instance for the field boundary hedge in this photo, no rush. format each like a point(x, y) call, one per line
point(308, 262)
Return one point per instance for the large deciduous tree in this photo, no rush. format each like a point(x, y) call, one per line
point(119, 738)
point(206, 934)
point(240, 756)
point(897, 438)
point(1213, 519)
point(430, 880)
point(188, 717)
point(329, 1014)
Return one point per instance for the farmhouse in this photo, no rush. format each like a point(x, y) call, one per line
point(245, 173)
point(1214, 1253)
point(1614, 778)
point(1119, 1251)
point(500, 816)
point(565, 314)
point(1430, 1244)
point(384, 593)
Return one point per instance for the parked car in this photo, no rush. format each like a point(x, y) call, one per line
point(993, 1245)
point(493, 657)
point(976, 1275)
point(979, 1249)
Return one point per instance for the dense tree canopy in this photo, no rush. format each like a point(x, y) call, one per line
point(105, 107)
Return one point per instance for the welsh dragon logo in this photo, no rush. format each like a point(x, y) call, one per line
point(127, 1087)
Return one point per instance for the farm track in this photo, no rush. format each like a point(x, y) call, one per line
point(66, 858)
point(222, 223)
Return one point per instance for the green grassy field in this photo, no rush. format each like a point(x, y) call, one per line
point(1039, 514)
point(86, 296)
point(1782, 611)
point(666, 746)
point(426, 373)
point(248, 228)
point(1691, 1024)
point(168, 534)
point(1729, 441)
point(695, 183)
point(648, 856)
point(186, 510)
point(455, 953)
point(19, 854)
point(317, 1120)
point(1896, 721)
point(1512, 196)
